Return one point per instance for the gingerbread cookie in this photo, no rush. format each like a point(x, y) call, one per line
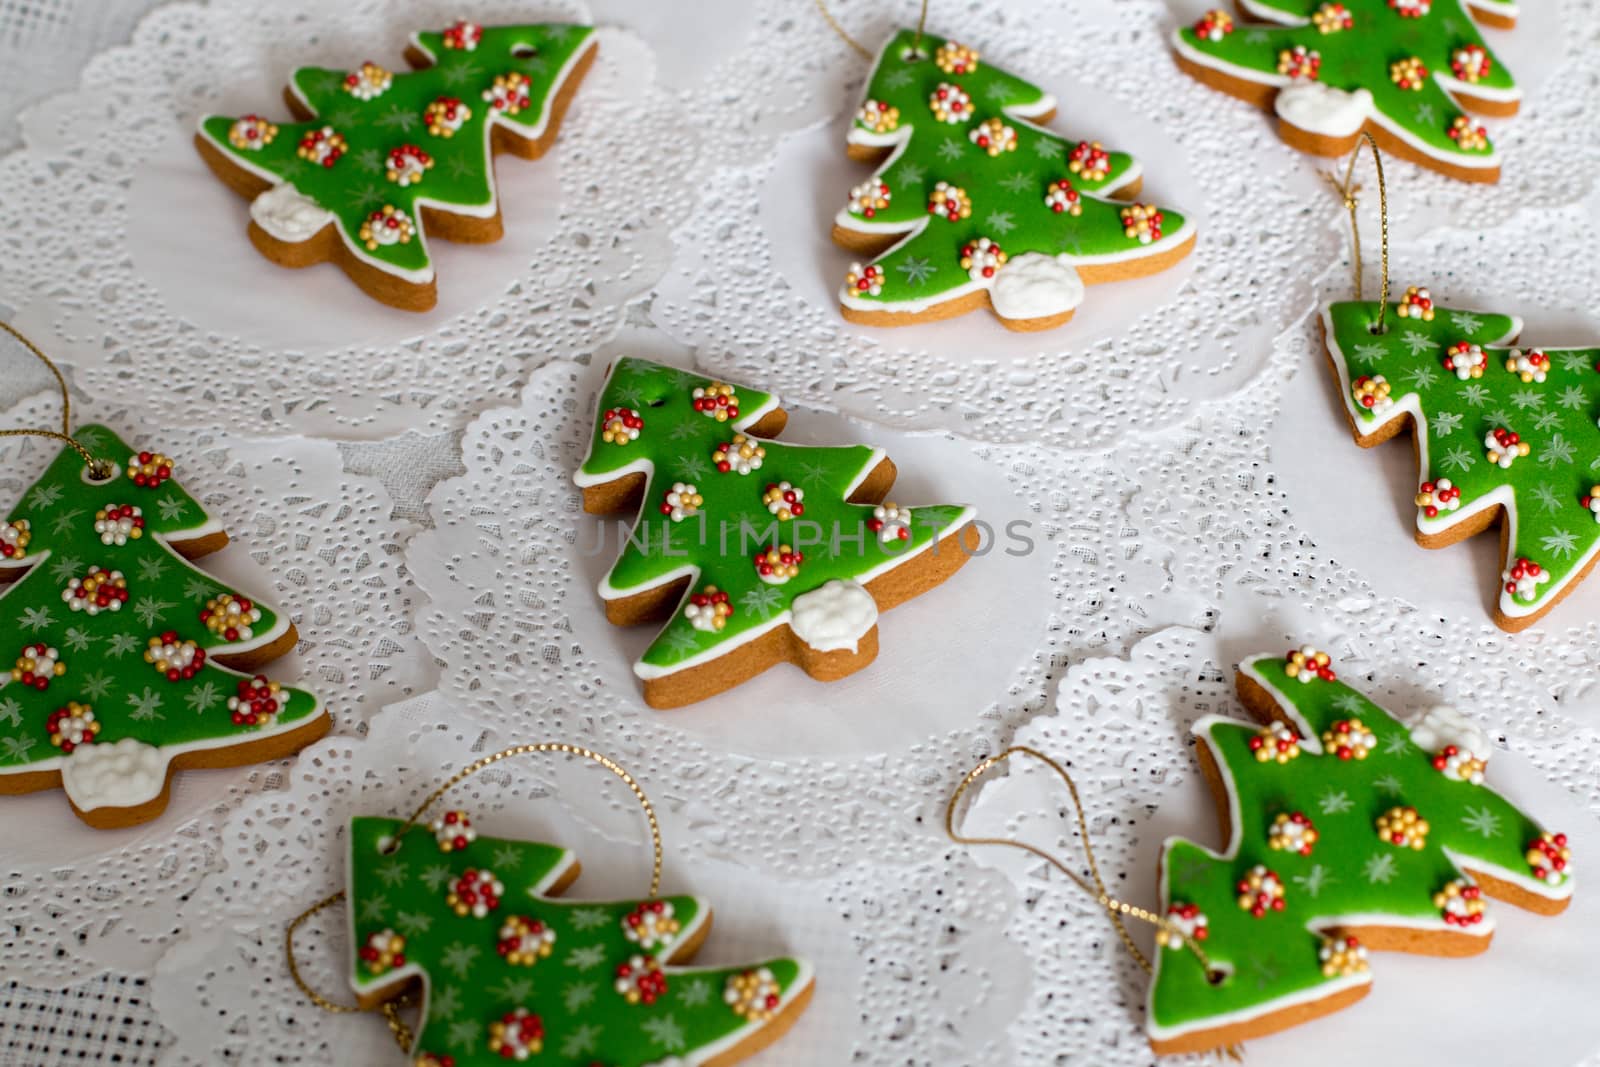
point(120, 648)
point(974, 204)
point(1401, 70)
point(1345, 832)
point(510, 974)
point(1502, 432)
point(754, 552)
point(380, 161)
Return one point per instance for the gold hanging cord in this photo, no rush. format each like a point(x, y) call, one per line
point(98, 468)
point(864, 51)
point(391, 1009)
point(1348, 191)
point(1115, 909)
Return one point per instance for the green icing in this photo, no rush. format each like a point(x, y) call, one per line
point(469, 985)
point(1350, 872)
point(1359, 58)
point(462, 174)
point(1008, 190)
point(677, 443)
point(104, 653)
point(1543, 490)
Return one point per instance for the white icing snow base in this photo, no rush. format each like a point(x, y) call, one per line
point(1036, 286)
point(288, 215)
point(1323, 109)
point(834, 616)
point(122, 774)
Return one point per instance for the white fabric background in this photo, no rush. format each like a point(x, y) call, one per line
point(1183, 521)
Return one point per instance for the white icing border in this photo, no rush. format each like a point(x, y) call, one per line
point(487, 210)
point(1317, 924)
point(644, 466)
point(803, 979)
point(1475, 161)
point(1503, 496)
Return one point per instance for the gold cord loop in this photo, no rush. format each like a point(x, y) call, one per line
point(391, 1009)
point(1115, 909)
point(861, 49)
point(99, 468)
point(1348, 191)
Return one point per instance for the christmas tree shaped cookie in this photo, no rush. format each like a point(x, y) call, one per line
point(510, 974)
point(380, 161)
point(1345, 832)
point(974, 203)
point(754, 552)
point(1500, 431)
point(119, 648)
point(1401, 70)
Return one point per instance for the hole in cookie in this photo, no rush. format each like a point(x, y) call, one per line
point(1377, 330)
point(99, 473)
point(913, 55)
point(524, 51)
point(1216, 976)
point(388, 846)
point(658, 401)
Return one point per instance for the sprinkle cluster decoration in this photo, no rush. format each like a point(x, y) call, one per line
point(1349, 739)
point(753, 995)
point(1292, 832)
point(1403, 827)
point(231, 617)
point(640, 980)
point(475, 893)
point(652, 925)
point(1261, 892)
point(37, 666)
point(708, 610)
point(1184, 920)
point(148, 470)
point(784, 501)
point(14, 538)
point(177, 659)
point(98, 590)
point(525, 941)
point(71, 725)
point(117, 524)
point(1308, 664)
point(1465, 360)
point(452, 830)
point(384, 951)
point(257, 701)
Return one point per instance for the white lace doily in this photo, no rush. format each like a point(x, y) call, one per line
point(308, 538)
point(1149, 450)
